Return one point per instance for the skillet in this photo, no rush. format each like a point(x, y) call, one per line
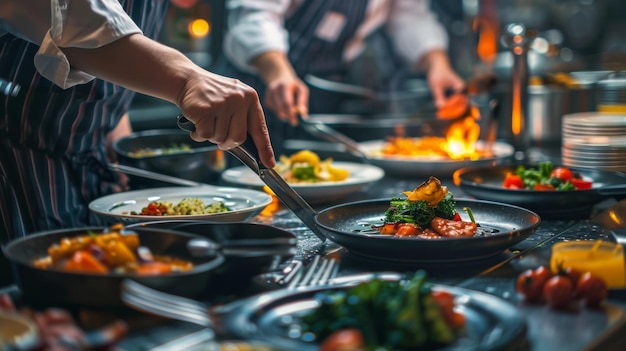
point(486, 183)
point(510, 224)
point(45, 288)
point(501, 227)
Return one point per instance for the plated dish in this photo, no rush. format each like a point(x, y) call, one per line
point(361, 176)
point(491, 323)
point(127, 206)
point(432, 165)
point(487, 183)
point(501, 226)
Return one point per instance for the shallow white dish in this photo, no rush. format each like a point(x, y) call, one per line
point(361, 176)
point(244, 203)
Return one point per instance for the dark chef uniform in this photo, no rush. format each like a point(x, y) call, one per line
point(52, 141)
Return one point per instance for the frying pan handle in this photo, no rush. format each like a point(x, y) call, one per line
point(246, 153)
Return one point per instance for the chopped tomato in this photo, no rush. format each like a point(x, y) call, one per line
point(83, 261)
point(407, 229)
point(445, 301)
point(457, 217)
point(154, 268)
point(544, 187)
point(564, 174)
point(581, 184)
point(513, 181)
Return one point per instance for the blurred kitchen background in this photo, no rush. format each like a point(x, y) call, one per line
point(563, 37)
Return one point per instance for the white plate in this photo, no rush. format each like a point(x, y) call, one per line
point(244, 203)
point(361, 176)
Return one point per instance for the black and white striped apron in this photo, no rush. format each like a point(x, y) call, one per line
point(308, 53)
point(52, 141)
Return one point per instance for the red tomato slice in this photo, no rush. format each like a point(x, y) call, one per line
point(581, 184)
point(513, 181)
point(542, 187)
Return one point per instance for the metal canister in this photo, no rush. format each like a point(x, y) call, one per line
point(612, 93)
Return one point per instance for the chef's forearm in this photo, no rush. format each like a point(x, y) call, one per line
point(272, 65)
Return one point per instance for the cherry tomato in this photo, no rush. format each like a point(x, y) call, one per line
point(541, 187)
point(592, 289)
point(572, 274)
point(581, 184)
point(530, 285)
point(562, 173)
point(445, 301)
point(559, 291)
point(513, 181)
point(344, 340)
point(542, 274)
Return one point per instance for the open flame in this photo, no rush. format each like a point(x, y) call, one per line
point(459, 142)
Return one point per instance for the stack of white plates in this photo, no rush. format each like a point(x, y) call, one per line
point(593, 139)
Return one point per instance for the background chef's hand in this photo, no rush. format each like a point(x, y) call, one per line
point(224, 111)
point(287, 96)
point(441, 76)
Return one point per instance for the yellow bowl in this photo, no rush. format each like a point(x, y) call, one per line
point(602, 258)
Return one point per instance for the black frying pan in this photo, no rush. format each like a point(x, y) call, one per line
point(501, 227)
point(486, 183)
point(44, 288)
point(237, 270)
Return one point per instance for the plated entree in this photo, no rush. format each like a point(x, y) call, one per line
point(306, 167)
point(427, 212)
point(110, 252)
point(385, 315)
point(185, 207)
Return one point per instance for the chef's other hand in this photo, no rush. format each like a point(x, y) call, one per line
point(287, 96)
point(225, 111)
point(441, 77)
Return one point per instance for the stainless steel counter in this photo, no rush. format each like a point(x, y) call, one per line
point(548, 329)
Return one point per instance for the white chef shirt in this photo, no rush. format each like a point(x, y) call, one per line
point(56, 24)
point(256, 26)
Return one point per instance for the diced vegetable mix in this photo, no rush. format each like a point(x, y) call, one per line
point(545, 177)
point(391, 315)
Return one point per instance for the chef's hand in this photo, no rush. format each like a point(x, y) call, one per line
point(225, 111)
point(441, 77)
point(288, 96)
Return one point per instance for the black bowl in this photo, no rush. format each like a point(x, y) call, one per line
point(45, 288)
point(203, 163)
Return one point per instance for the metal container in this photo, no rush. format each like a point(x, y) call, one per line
point(203, 162)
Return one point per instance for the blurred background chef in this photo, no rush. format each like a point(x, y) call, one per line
point(272, 45)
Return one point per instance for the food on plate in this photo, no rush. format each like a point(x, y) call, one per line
point(174, 148)
point(111, 252)
point(186, 206)
point(546, 177)
point(385, 315)
point(427, 212)
point(562, 289)
point(306, 167)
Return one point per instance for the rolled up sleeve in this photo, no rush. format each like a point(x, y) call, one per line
point(415, 30)
point(86, 24)
point(255, 27)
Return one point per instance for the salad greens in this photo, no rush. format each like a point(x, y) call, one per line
point(401, 210)
point(542, 175)
point(392, 315)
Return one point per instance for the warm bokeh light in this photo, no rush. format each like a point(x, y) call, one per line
point(199, 28)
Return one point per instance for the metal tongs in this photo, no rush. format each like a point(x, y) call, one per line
point(248, 154)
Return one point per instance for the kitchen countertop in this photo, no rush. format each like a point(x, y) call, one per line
point(547, 329)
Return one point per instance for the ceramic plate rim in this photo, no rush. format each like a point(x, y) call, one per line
point(371, 174)
point(104, 204)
